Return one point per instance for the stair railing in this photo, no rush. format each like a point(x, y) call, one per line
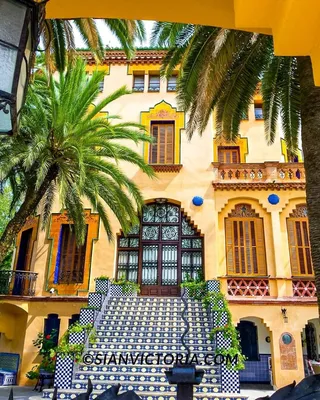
point(185, 320)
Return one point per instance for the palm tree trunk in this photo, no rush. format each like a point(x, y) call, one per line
point(310, 122)
point(27, 208)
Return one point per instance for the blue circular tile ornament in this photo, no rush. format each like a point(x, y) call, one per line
point(273, 199)
point(197, 201)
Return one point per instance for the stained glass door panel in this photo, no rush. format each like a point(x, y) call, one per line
point(163, 251)
point(169, 265)
point(150, 265)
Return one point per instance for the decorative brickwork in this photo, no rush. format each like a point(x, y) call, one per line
point(166, 167)
point(248, 287)
point(304, 288)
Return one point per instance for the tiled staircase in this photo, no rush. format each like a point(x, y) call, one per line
point(133, 326)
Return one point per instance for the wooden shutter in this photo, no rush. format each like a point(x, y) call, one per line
point(229, 247)
point(162, 145)
point(295, 270)
point(169, 145)
point(245, 248)
point(261, 251)
point(299, 246)
point(72, 258)
point(154, 146)
point(162, 149)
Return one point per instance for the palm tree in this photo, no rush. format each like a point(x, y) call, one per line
point(66, 149)
point(220, 70)
point(58, 38)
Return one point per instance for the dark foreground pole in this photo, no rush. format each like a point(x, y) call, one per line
point(184, 376)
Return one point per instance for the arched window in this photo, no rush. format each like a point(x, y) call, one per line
point(245, 248)
point(249, 340)
point(162, 252)
point(299, 243)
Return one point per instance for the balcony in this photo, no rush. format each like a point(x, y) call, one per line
point(18, 283)
point(261, 176)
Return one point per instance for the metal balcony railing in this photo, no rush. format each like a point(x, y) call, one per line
point(18, 283)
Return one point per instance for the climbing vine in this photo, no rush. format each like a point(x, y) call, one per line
point(74, 350)
point(218, 304)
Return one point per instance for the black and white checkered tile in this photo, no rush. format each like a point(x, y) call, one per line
point(219, 318)
point(116, 290)
point(87, 316)
point(221, 341)
point(64, 372)
point(77, 338)
point(230, 380)
point(102, 285)
point(213, 285)
point(95, 300)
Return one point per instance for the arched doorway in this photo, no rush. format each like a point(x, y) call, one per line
point(255, 341)
point(162, 252)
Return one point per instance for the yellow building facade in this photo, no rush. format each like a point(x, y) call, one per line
point(250, 233)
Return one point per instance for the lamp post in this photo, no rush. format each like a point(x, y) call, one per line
point(20, 22)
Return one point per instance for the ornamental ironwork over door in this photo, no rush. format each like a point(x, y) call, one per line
point(162, 252)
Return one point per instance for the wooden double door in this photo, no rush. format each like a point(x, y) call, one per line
point(162, 252)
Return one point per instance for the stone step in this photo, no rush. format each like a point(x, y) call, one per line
point(120, 376)
point(147, 335)
point(150, 340)
point(133, 346)
point(152, 318)
point(144, 385)
point(155, 314)
point(155, 308)
point(144, 316)
point(161, 323)
point(69, 394)
point(136, 369)
point(152, 328)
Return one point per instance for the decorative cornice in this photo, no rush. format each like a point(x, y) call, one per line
point(254, 301)
point(258, 186)
point(166, 167)
point(119, 57)
point(46, 299)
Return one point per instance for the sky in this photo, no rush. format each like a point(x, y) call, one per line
point(109, 39)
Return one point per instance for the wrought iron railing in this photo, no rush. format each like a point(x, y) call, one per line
point(18, 283)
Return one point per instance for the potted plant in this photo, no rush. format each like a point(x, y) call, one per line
point(124, 288)
point(78, 333)
point(33, 374)
point(45, 343)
